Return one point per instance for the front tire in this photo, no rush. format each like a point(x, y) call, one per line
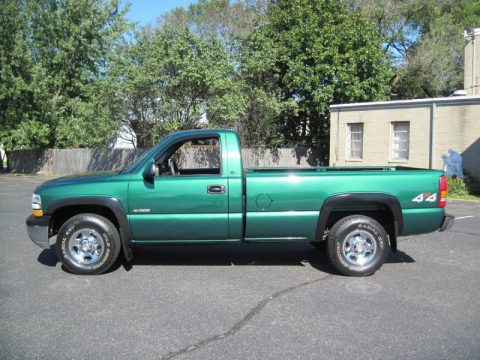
point(88, 244)
point(357, 245)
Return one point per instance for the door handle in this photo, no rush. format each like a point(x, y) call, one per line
point(215, 189)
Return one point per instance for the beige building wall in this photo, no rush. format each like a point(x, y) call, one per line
point(472, 62)
point(456, 125)
point(377, 128)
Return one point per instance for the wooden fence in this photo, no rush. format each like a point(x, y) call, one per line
point(77, 161)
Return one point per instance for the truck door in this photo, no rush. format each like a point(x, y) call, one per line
point(188, 198)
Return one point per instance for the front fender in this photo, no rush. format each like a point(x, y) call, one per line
point(109, 202)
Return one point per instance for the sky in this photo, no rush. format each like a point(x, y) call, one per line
point(147, 11)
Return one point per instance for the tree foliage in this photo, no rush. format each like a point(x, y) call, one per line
point(169, 79)
point(15, 65)
point(258, 79)
point(223, 19)
point(254, 98)
point(323, 54)
point(424, 39)
point(434, 64)
point(53, 66)
point(70, 76)
point(271, 75)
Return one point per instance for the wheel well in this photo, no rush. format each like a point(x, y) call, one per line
point(376, 210)
point(61, 215)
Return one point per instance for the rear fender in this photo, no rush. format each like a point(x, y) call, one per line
point(387, 200)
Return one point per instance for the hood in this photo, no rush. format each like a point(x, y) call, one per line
point(96, 177)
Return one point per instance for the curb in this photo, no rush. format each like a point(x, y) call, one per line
point(463, 201)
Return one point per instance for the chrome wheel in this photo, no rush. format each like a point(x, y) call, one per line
point(86, 246)
point(359, 247)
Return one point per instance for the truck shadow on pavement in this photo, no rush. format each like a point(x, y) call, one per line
point(227, 255)
point(48, 257)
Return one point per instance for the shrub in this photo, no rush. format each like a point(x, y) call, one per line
point(457, 186)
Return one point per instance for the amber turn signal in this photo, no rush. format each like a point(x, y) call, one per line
point(37, 213)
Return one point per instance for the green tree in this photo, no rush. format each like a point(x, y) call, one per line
point(15, 71)
point(323, 55)
point(434, 64)
point(168, 80)
point(223, 19)
point(64, 47)
point(256, 98)
point(258, 79)
point(424, 39)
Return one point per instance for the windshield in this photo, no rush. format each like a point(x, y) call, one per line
point(133, 165)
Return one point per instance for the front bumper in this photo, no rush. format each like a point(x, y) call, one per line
point(447, 222)
point(37, 229)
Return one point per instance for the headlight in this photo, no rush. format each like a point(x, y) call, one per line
point(36, 202)
point(37, 205)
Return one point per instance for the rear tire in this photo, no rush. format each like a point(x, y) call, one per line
point(88, 244)
point(357, 245)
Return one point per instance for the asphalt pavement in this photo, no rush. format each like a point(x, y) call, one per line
point(242, 301)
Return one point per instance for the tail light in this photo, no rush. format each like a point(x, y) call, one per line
point(442, 192)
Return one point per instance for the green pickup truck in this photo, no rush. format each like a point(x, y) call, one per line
point(192, 188)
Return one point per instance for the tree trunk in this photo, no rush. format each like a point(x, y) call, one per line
point(1, 161)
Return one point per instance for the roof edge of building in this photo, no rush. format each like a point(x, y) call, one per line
point(407, 103)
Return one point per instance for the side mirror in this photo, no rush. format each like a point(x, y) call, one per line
point(150, 171)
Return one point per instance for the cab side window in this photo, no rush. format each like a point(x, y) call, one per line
point(195, 157)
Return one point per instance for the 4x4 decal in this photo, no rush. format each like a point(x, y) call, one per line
point(425, 197)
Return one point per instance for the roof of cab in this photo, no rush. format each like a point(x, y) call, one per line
point(203, 132)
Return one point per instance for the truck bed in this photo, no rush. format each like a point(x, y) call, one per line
point(287, 200)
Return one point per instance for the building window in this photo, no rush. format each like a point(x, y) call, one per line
point(400, 141)
point(355, 141)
